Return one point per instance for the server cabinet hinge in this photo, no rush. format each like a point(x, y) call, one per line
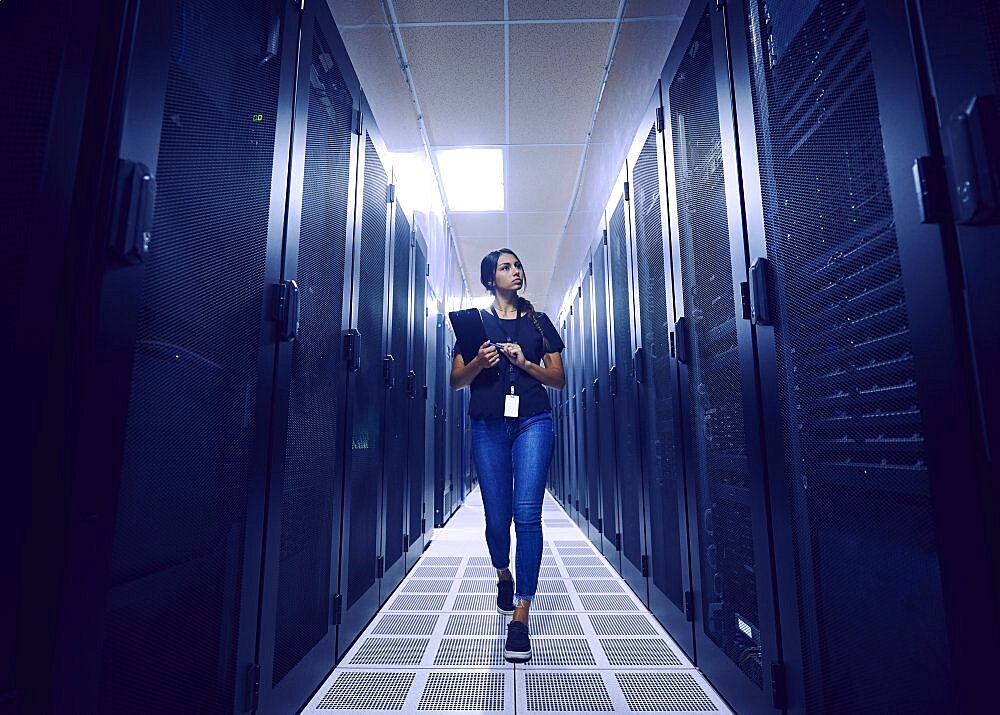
point(618, 541)
point(745, 309)
point(427, 272)
point(579, 291)
point(673, 345)
point(639, 365)
point(659, 119)
point(645, 565)
point(411, 385)
point(972, 140)
point(578, 504)
point(627, 195)
point(425, 392)
point(590, 268)
point(413, 239)
point(357, 122)
point(352, 350)
point(778, 685)
point(597, 390)
point(253, 687)
point(406, 543)
point(380, 567)
point(613, 381)
point(760, 291)
point(423, 525)
point(930, 184)
point(336, 607)
point(586, 513)
point(583, 399)
point(571, 310)
point(689, 605)
point(600, 525)
point(389, 371)
point(390, 193)
point(132, 223)
point(285, 309)
point(604, 236)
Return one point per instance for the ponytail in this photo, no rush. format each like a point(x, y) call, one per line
point(524, 306)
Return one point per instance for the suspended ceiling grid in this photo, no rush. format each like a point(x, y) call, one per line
point(525, 77)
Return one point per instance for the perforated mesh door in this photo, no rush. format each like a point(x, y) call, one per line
point(173, 611)
point(866, 561)
point(590, 430)
point(312, 454)
point(395, 460)
point(418, 405)
point(656, 395)
point(368, 405)
point(626, 417)
point(728, 589)
point(605, 421)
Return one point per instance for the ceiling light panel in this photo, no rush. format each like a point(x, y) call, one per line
point(472, 178)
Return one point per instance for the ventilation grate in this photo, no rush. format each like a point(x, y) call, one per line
point(415, 602)
point(463, 691)
point(598, 586)
point(480, 572)
point(561, 651)
point(583, 560)
point(576, 551)
point(547, 624)
point(664, 691)
point(549, 561)
point(475, 603)
point(566, 692)
point(614, 624)
point(573, 542)
point(367, 691)
point(470, 651)
point(435, 571)
point(608, 602)
point(480, 561)
point(639, 652)
point(552, 586)
point(477, 586)
point(588, 572)
point(441, 561)
point(552, 603)
point(427, 585)
point(549, 572)
point(480, 625)
point(398, 624)
point(391, 651)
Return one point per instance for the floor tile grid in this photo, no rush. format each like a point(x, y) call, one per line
point(477, 657)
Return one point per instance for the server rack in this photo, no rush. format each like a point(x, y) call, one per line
point(661, 437)
point(418, 475)
point(579, 434)
point(591, 428)
point(572, 406)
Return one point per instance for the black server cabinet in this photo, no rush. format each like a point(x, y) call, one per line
point(570, 491)
point(631, 537)
point(659, 431)
point(417, 472)
point(361, 564)
point(872, 432)
point(296, 644)
point(394, 458)
point(590, 432)
point(735, 629)
point(607, 522)
point(579, 434)
point(439, 387)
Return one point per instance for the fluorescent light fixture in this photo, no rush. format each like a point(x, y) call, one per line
point(472, 178)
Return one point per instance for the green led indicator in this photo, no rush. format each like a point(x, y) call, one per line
point(258, 118)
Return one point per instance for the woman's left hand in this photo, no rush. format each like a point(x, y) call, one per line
point(515, 354)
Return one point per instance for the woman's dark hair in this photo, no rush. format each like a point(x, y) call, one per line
point(487, 276)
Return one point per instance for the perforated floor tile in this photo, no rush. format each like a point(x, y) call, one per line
point(589, 572)
point(549, 572)
point(621, 624)
point(561, 652)
point(555, 602)
point(608, 602)
point(463, 652)
point(566, 692)
point(555, 624)
point(480, 692)
point(639, 652)
point(597, 586)
point(353, 691)
point(477, 624)
point(441, 561)
point(427, 585)
point(551, 585)
point(435, 571)
point(405, 624)
point(477, 586)
point(670, 692)
point(417, 602)
point(466, 602)
point(389, 651)
point(582, 560)
point(480, 572)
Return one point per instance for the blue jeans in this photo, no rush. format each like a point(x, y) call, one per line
point(512, 458)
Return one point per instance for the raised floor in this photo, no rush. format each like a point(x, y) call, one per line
point(437, 644)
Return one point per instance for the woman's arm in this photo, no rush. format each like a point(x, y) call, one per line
point(462, 374)
point(551, 375)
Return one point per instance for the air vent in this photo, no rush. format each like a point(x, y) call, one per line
point(583, 560)
point(608, 602)
point(561, 651)
point(477, 586)
point(566, 692)
point(398, 624)
point(354, 690)
point(549, 572)
point(463, 691)
point(622, 625)
point(481, 625)
point(470, 652)
point(597, 586)
point(475, 603)
point(479, 561)
point(573, 542)
point(390, 651)
point(552, 603)
point(441, 561)
point(427, 585)
point(664, 691)
point(548, 624)
point(639, 652)
point(552, 586)
point(417, 602)
point(588, 572)
point(480, 572)
point(435, 572)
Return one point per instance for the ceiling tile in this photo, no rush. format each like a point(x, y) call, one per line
point(536, 224)
point(370, 49)
point(559, 9)
point(356, 12)
point(657, 8)
point(555, 70)
point(542, 178)
point(487, 225)
point(458, 73)
point(447, 10)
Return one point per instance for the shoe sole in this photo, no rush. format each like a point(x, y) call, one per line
point(517, 656)
point(506, 613)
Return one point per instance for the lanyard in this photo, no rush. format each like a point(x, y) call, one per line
point(517, 333)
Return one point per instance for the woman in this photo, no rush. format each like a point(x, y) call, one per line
point(512, 433)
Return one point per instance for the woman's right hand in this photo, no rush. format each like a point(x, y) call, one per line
point(488, 356)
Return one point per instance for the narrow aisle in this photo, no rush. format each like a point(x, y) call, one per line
point(437, 644)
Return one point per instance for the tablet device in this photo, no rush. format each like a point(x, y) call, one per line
point(470, 332)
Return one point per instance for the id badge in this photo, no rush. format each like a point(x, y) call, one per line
point(511, 405)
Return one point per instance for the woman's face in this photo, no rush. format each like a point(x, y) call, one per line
point(510, 273)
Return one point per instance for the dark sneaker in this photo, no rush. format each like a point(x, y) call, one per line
point(517, 649)
point(505, 597)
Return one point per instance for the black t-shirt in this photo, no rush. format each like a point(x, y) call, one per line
point(490, 386)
